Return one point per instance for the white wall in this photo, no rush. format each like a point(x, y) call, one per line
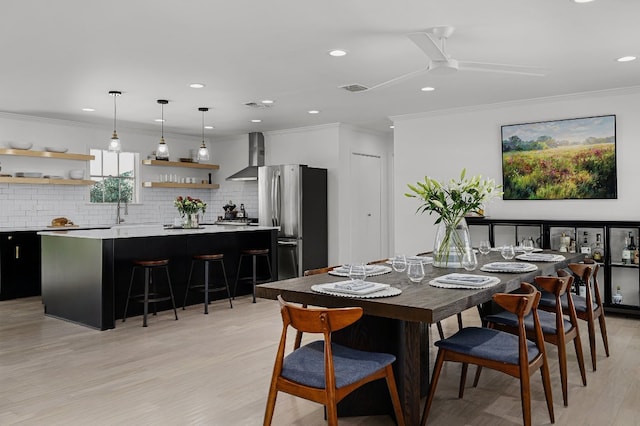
point(440, 144)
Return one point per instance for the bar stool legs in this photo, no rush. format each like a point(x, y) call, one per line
point(149, 296)
point(254, 278)
point(207, 258)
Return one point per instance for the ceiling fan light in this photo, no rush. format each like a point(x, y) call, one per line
point(443, 67)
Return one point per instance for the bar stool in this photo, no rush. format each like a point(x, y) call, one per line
point(254, 254)
point(149, 296)
point(207, 259)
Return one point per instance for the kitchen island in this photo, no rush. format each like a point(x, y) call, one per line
point(85, 273)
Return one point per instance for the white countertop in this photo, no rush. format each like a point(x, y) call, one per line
point(154, 230)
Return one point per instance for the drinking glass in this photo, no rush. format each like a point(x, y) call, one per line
point(399, 263)
point(527, 245)
point(508, 252)
point(469, 260)
point(484, 247)
point(357, 272)
point(415, 271)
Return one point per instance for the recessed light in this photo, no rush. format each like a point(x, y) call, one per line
point(314, 111)
point(208, 127)
point(88, 109)
point(267, 101)
point(255, 120)
point(582, 1)
point(196, 85)
point(159, 120)
point(392, 127)
point(428, 89)
point(626, 59)
point(337, 52)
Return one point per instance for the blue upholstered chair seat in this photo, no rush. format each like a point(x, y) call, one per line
point(306, 364)
point(488, 344)
point(547, 321)
point(580, 303)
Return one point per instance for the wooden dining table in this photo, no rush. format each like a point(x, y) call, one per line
point(400, 324)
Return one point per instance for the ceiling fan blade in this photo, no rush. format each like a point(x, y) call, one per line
point(502, 68)
point(397, 79)
point(428, 45)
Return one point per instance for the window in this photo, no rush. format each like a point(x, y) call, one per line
point(115, 176)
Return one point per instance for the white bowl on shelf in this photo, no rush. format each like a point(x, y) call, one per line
point(55, 149)
point(77, 174)
point(20, 145)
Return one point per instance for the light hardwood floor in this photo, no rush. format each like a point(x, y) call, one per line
point(215, 369)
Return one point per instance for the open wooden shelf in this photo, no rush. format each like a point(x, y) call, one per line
point(180, 164)
point(46, 181)
point(180, 185)
point(46, 154)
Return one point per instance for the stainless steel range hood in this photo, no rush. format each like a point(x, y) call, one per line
point(256, 158)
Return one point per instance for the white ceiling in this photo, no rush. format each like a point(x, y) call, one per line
point(60, 56)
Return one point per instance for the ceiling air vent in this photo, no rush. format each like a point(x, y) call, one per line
point(355, 87)
point(256, 105)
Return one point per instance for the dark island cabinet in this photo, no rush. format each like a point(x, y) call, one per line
point(19, 264)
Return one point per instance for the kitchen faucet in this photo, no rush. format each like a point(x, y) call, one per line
point(119, 219)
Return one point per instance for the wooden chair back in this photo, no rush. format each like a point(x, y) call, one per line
point(317, 320)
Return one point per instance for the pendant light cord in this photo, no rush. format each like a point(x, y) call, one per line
point(162, 120)
point(114, 112)
point(203, 126)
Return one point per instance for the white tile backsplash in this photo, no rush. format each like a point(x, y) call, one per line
point(23, 205)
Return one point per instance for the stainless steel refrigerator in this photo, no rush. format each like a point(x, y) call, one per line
point(294, 197)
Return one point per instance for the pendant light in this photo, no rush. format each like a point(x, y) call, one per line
point(114, 143)
point(203, 152)
point(162, 152)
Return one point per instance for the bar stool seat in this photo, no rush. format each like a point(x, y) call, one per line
point(254, 254)
point(150, 293)
point(204, 288)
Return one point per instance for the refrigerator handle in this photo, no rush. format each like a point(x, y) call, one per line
point(278, 196)
point(273, 199)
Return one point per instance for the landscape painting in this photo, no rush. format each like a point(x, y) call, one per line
point(561, 159)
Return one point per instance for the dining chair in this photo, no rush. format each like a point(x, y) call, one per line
point(512, 354)
point(588, 308)
point(556, 329)
point(308, 272)
point(323, 371)
point(439, 323)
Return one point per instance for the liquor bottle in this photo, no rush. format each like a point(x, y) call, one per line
point(585, 247)
point(597, 252)
point(626, 254)
point(632, 249)
point(242, 213)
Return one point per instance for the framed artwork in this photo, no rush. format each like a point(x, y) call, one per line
point(561, 159)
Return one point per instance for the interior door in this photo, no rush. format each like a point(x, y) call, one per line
point(366, 207)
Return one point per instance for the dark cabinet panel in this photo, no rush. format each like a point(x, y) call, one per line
point(19, 265)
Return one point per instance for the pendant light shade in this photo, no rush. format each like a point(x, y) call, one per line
point(203, 152)
point(114, 143)
point(162, 152)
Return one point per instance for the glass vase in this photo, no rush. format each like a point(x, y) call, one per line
point(190, 221)
point(451, 242)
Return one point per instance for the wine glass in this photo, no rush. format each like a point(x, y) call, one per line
point(469, 260)
point(527, 245)
point(399, 263)
point(508, 252)
point(357, 272)
point(415, 271)
point(484, 247)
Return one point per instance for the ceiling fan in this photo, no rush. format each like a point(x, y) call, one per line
point(433, 43)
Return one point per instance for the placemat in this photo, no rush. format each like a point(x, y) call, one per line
point(328, 289)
